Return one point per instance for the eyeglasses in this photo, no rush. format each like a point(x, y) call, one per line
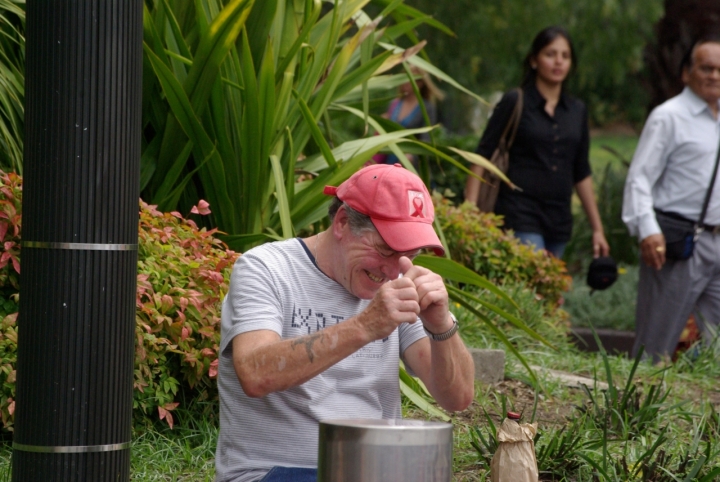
point(386, 251)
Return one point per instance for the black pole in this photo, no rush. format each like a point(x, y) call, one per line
point(73, 415)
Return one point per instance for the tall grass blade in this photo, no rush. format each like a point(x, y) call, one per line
point(283, 207)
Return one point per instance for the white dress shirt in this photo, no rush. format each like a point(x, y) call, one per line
point(673, 164)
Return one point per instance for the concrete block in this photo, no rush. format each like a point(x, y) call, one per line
point(489, 365)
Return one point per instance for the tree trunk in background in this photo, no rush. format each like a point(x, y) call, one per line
point(684, 20)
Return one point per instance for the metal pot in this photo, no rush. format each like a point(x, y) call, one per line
point(359, 450)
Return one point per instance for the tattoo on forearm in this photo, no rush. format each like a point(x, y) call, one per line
point(308, 341)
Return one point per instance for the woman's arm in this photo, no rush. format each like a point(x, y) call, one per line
point(585, 192)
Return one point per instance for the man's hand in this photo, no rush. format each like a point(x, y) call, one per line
point(432, 296)
point(652, 250)
point(395, 302)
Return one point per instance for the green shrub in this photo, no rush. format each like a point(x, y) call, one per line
point(476, 240)
point(611, 308)
point(183, 274)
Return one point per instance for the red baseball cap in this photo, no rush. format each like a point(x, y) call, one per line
point(397, 202)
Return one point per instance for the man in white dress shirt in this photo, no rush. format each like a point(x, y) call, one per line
point(671, 172)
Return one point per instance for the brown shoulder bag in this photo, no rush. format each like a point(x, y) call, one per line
point(489, 189)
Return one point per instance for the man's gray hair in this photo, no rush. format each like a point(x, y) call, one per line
point(358, 222)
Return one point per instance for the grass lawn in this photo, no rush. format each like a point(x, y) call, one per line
point(611, 148)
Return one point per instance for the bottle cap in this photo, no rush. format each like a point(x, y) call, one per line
point(513, 416)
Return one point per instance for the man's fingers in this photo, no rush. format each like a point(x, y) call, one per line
point(653, 250)
point(409, 306)
point(405, 265)
point(432, 297)
point(660, 260)
point(402, 288)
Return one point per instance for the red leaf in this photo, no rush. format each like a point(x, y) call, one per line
point(166, 303)
point(3, 230)
point(11, 407)
point(203, 207)
point(213, 368)
point(185, 333)
point(16, 264)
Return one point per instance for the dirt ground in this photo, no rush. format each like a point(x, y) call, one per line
point(520, 398)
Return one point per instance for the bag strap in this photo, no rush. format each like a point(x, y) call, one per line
point(706, 203)
point(514, 121)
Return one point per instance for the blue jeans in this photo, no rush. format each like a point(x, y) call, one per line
point(556, 248)
point(290, 474)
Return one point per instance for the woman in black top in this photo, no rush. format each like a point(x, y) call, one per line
point(549, 155)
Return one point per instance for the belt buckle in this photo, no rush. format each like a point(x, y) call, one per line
point(715, 229)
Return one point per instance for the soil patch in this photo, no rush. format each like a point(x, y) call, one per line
point(520, 398)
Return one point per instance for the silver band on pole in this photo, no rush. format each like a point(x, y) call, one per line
point(71, 449)
point(80, 246)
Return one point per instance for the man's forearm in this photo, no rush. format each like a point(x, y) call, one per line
point(453, 373)
point(447, 369)
point(264, 363)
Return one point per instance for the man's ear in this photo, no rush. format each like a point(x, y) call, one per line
point(340, 224)
point(685, 76)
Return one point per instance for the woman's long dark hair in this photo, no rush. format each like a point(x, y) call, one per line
point(542, 39)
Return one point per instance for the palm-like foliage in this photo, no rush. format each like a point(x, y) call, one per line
point(238, 100)
point(12, 84)
point(236, 94)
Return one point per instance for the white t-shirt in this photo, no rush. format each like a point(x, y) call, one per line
point(279, 287)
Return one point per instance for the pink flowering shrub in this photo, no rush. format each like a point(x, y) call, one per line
point(183, 275)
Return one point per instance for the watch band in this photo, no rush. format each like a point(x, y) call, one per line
point(447, 334)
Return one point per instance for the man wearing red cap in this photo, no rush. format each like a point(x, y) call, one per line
point(313, 328)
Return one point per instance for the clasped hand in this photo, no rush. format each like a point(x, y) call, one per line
point(417, 293)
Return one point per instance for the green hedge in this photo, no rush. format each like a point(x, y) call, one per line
point(476, 240)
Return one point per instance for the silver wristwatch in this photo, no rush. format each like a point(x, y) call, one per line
point(447, 334)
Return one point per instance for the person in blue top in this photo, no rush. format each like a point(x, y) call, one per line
point(406, 111)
